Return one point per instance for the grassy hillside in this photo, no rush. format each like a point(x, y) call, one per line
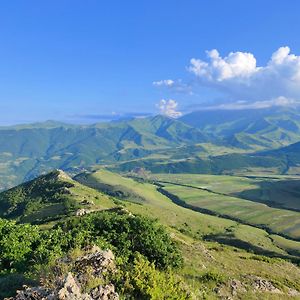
point(218, 253)
point(49, 197)
point(209, 243)
point(191, 222)
point(281, 191)
point(221, 164)
point(227, 196)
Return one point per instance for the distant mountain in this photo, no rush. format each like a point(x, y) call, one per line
point(255, 129)
point(47, 124)
point(27, 151)
point(200, 142)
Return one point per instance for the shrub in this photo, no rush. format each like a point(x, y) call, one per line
point(128, 234)
point(16, 244)
point(141, 280)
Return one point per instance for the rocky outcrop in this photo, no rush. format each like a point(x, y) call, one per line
point(71, 290)
point(106, 292)
point(81, 212)
point(98, 262)
point(264, 285)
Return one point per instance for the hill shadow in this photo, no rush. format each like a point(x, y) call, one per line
point(283, 194)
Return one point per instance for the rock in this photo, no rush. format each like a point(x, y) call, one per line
point(264, 285)
point(71, 290)
point(62, 175)
point(236, 286)
point(99, 261)
point(293, 293)
point(33, 293)
point(106, 292)
point(87, 202)
point(81, 212)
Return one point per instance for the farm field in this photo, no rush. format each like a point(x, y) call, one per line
point(275, 190)
point(196, 224)
point(227, 196)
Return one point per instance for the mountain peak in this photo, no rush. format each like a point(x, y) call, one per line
point(60, 174)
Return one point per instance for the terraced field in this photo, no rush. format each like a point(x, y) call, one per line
point(227, 196)
point(279, 191)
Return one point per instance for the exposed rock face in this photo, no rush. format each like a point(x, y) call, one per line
point(62, 175)
point(36, 293)
point(265, 286)
point(69, 288)
point(100, 261)
point(106, 292)
point(234, 289)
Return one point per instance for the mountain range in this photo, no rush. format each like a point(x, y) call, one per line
point(212, 141)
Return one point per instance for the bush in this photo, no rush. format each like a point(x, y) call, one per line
point(145, 252)
point(16, 245)
point(141, 280)
point(22, 245)
point(128, 234)
point(213, 276)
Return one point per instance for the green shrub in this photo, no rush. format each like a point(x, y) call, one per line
point(22, 246)
point(128, 234)
point(213, 276)
point(141, 280)
point(16, 245)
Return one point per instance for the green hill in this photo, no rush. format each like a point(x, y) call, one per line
point(49, 197)
point(213, 142)
point(255, 129)
point(27, 151)
point(217, 252)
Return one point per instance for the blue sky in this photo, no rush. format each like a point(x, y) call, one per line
point(82, 61)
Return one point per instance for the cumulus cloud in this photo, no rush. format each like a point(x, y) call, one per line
point(238, 75)
point(169, 108)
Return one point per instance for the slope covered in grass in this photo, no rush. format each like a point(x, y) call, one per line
point(217, 253)
point(49, 197)
point(183, 219)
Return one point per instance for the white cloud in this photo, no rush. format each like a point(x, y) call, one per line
point(165, 82)
point(175, 85)
point(280, 101)
point(168, 108)
point(239, 76)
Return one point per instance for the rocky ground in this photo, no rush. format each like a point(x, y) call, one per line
point(71, 286)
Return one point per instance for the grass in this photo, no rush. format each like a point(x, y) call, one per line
point(216, 250)
point(225, 195)
point(209, 264)
point(192, 223)
point(275, 190)
point(50, 197)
